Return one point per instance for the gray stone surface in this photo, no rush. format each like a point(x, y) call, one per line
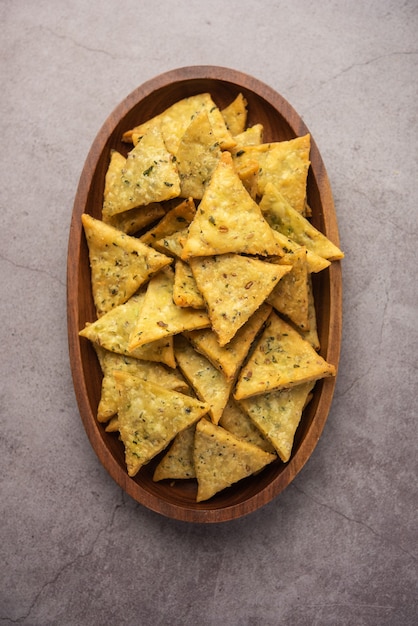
point(340, 545)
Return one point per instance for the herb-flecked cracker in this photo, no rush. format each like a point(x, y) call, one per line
point(228, 219)
point(172, 244)
point(209, 384)
point(221, 459)
point(147, 370)
point(234, 286)
point(197, 157)
point(284, 218)
point(311, 334)
point(149, 175)
point(177, 463)
point(251, 136)
point(119, 263)
point(229, 358)
point(160, 317)
point(315, 262)
point(176, 118)
point(283, 163)
point(177, 218)
point(150, 416)
point(290, 296)
point(113, 330)
point(185, 291)
point(235, 115)
point(236, 421)
point(277, 415)
point(281, 359)
point(136, 219)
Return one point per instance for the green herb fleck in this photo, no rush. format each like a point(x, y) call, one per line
point(148, 171)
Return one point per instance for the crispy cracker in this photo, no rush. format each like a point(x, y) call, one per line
point(185, 291)
point(112, 331)
point(177, 463)
point(149, 175)
point(113, 425)
point(209, 384)
point(235, 115)
point(176, 118)
point(147, 370)
point(113, 176)
point(160, 317)
point(249, 178)
point(229, 358)
point(290, 296)
point(221, 459)
point(284, 163)
point(284, 218)
point(228, 219)
point(277, 415)
point(134, 220)
point(234, 286)
point(252, 136)
point(197, 157)
point(237, 422)
point(177, 218)
point(311, 334)
point(172, 244)
point(119, 263)
point(150, 416)
point(315, 262)
point(281, 359)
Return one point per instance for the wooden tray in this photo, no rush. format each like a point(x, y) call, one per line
point(280, 122)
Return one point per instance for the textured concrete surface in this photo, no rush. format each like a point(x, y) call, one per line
point(340, 545)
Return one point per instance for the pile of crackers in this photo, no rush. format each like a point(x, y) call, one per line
point(201, 269)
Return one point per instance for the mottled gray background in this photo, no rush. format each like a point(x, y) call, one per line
point(340, 545)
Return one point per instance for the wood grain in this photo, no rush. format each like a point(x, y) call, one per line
point(281, 122)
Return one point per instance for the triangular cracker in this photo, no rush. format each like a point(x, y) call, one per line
point(113, 330)
point(178, 463)
point(235, 115)
point(160, 317)
point(228, 219)
point(284, 218)
point(229, 358)
point(113, 425)
point(209, 384)
point(277, 415)
point(147, 370)
point(236, 421)
point(283, 163)
point(149, 175)
point(290, 296)
point(134, 220)
point(281, 359)
point(315, 262)
point(311, 335)
point(119, 263)
point(233, 287)
point(251, 136)
point(221, 459)
point(197, 157)
point(176, 118)
point(177, 218)
point(150, 416)
point(185, 291)
point(249, 178)
point(113, 176)
point(172, 244)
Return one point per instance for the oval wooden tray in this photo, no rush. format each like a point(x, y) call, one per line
point(280, 122)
